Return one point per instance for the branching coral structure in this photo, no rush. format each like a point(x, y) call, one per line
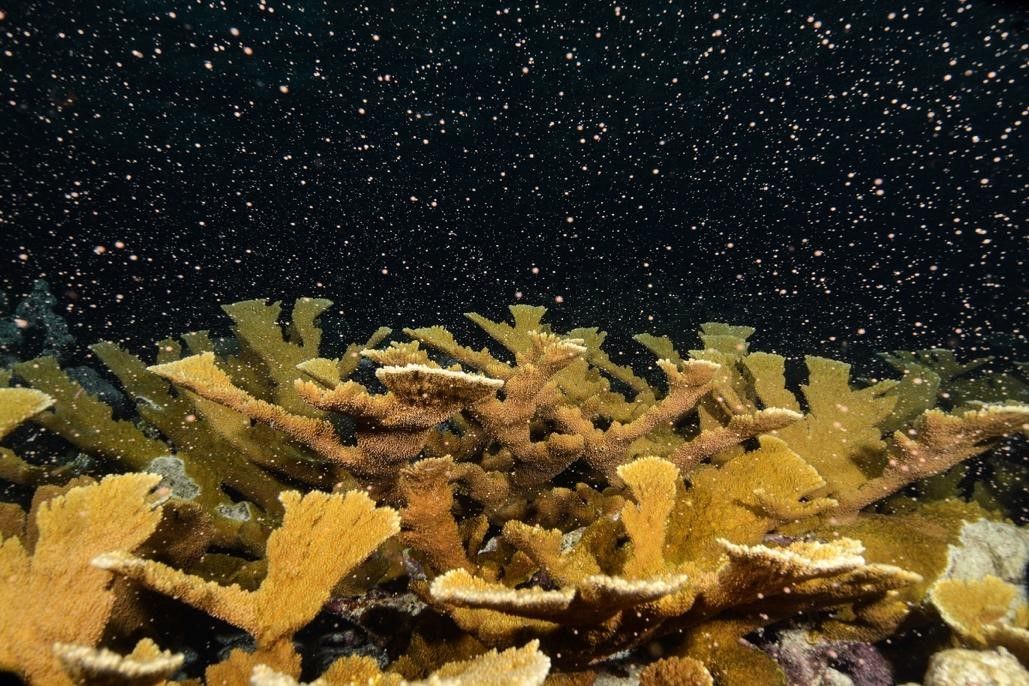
point(526, 513)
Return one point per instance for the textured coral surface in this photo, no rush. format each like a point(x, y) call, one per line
point(417, 510)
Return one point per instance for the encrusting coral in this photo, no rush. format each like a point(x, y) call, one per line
point(981, 595)
point(962, 667)
point(543, 509)
point(984, 613)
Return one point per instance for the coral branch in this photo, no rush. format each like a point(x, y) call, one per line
point(228, 603)
point(54, 595)
point(146, 665)
point(653, 482)
point(556, 496)
point(307, 556)
point(529, 391)
point(525, 666)
point(429, 526)
point(590, 601)
point(739, 429)
point(605, 450)
point(440, 339)
point(938, 442)
point(18, 404)
point(391, 428)
point(199, 374)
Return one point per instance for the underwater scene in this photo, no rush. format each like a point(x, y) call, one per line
point(513, 343)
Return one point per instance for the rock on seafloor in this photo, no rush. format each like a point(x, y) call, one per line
point(962, 667)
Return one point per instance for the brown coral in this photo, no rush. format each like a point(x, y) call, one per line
point(391, 428)
point(937, 442)
point(656, 592)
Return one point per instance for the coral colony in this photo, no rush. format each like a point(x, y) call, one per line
point(524, 514)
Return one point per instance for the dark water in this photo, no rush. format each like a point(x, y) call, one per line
point(845, 175)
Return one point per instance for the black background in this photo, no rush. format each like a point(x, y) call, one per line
point(767, 125)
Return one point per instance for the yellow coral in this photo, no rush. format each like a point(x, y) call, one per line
point(54, 594)
point(675, 516)
point(322, 537)
point(659, 586)
point(936, 443)
point(528, 391)
point(263, 342)
point(200, 374)
point(525, 666)
point(606, 449)
point(743, 499)
point(839, 436)
point(984, 613)
point(86, 421)
point(213, 452)
point(682, 671)
point(653, 482)
point(916, 538)
point(392, 427)
point(18, 404)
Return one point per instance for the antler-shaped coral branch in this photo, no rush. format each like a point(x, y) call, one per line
point(146, 665)
point(529, 391)
point(394, 427)
point(938, 442)
point(200, 374)
point(391, 428)
point(53, 594)
point(593, 598)
point(605, 450)
point(740, 428)
point(322, 537)
point(772, 582)
point(18, 404)
point(429, 526)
